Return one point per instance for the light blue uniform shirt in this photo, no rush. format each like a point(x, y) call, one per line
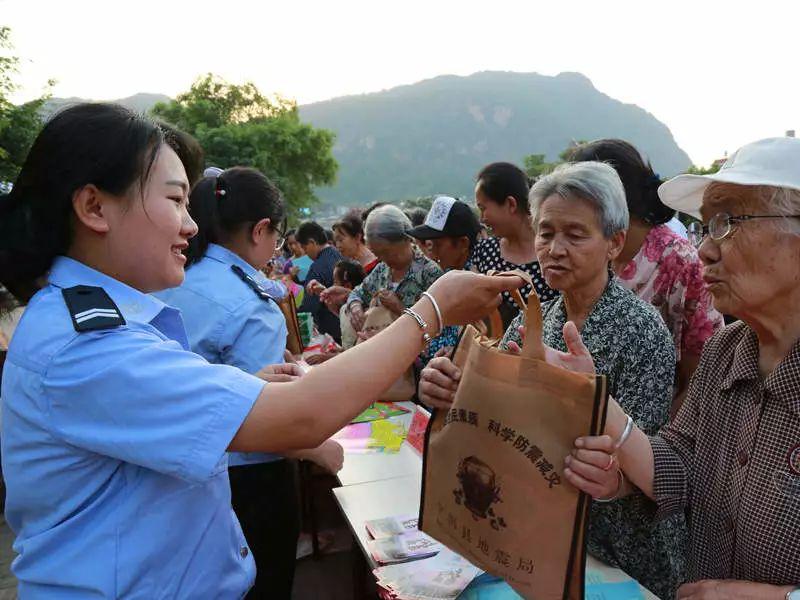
point(114, 453)
point(227, 322)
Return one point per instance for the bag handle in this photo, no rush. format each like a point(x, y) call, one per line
point(532, 314)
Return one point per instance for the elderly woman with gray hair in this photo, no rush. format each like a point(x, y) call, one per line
point(731, 456)
point(402, 274)
point(581, 217)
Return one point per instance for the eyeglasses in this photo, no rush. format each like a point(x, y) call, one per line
point(722, 225)
point(281, 231)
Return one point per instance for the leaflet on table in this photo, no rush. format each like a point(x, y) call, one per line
point(380, 410)
point(391, 526)
point(489, 587)
point(442, 577)
point(402, 548)
point(375, 436)
point(416, 431)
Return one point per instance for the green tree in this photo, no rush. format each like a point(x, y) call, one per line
point(19, 125)
point(536, 165)
point(238, 125)
point(695, 170)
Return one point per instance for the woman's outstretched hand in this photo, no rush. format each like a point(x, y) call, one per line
point(464, 297)
point(577, 358)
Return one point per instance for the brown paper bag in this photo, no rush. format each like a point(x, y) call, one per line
point(493, 484)
point(294, 341)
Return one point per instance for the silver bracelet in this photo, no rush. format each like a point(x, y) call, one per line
point(435, 308)
point(626, 433)
point(422, 324)
point(621, 480)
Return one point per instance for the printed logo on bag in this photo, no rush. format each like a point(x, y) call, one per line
point(479, 490)
point(794, 459)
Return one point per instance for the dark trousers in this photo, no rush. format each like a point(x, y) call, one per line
point(264, 498)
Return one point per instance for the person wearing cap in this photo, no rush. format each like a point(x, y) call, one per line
point(451, 232)
point(731, 457)
point(451, 228)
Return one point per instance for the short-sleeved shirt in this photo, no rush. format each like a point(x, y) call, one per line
point(667, 273)
point(322, 270)
point(114, 452)
point(632, 347)
point(227, 322)
point(421, 274)
point(487, 256)
point(731, 457)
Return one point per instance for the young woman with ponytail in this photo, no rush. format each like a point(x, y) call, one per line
point(231, 317)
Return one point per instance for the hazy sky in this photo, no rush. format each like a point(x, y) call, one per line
point(719, 74)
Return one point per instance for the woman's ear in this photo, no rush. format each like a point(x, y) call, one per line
point(617, 243)
point(91, 208)
point(512, 203)
point(259, 229)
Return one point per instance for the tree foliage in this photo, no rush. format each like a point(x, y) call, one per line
point(536, 165)
point(713, 168)
point(19, 125)
point(238, 125)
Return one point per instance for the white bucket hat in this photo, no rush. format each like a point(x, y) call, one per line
point(773, 161)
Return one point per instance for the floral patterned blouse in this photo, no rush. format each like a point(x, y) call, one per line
point(632, 347)
point(420, 275)
point(667, 273)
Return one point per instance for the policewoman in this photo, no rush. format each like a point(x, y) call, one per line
point(114, 434)
point(231, 317)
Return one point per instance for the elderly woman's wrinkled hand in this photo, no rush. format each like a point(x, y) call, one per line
point(334, 297)
point(577, 358)
point(592, 467)
point(390, 301)
point(730, 589)
point(438, 383)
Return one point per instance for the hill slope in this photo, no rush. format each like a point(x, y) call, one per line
point(433, 136)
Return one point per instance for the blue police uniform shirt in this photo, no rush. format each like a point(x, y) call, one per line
point(114, 452)
point(227, 322)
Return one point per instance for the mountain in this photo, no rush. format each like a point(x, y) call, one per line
point(140, 103)
point(434, 136)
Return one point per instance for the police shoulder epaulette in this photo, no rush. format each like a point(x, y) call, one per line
point(91, 308)
point(252, 284)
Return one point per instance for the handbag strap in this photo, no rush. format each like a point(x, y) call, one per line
point(532, 315)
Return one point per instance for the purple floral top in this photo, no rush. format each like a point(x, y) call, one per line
point(667, 273)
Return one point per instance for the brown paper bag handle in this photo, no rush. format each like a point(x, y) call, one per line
point(533, 346)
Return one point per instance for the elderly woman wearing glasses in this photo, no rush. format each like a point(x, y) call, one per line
point(732, 455)
point(581, 216)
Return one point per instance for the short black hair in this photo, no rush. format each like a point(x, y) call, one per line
point(352, 272)
point(311, 230)
point(637, 175)
point(351, 224)
point(497, 181)
point(416, 216)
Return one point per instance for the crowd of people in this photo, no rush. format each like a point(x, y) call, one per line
point(150, 410)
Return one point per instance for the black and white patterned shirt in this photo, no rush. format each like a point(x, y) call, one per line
point(487, 257)
point(732, 457)
point(633, 348)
